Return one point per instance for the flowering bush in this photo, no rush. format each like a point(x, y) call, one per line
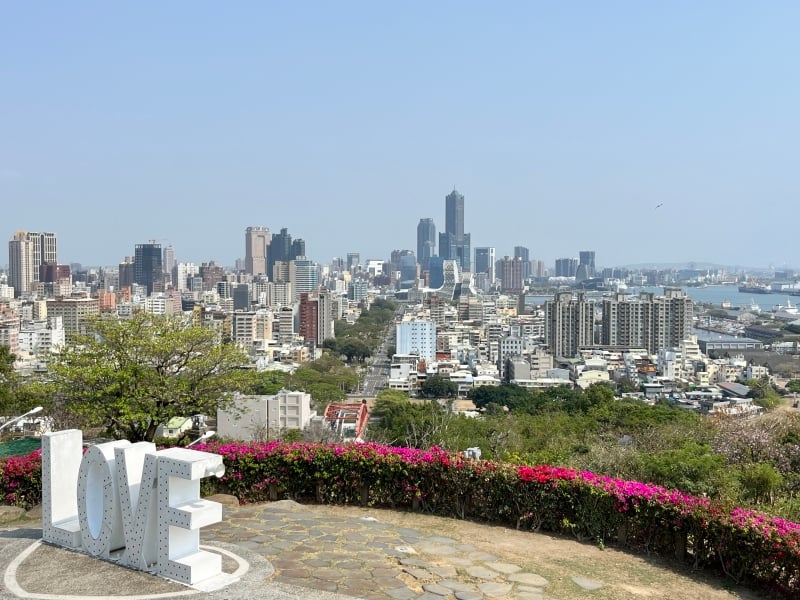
point(21, 479)
point(747, 546)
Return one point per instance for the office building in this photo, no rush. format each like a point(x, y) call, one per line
point(454, 244)
point(417, 337)
point(409, 273)
point(241, 297)
point(256, 244)
point(484, 262)
point(147, 268)
point(303, 276)
point(280, 249)
point(353, 261)
point(426, 242)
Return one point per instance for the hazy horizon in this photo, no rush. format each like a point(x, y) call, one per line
point(647, 133)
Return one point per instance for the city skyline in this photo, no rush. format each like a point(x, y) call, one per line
point(646, 131)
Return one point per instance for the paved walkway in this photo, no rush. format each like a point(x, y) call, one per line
point(291, 552)
point(365, 558)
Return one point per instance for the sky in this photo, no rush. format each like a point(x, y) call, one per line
point(648, 132)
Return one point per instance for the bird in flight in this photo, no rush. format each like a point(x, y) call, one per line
point(659, 205)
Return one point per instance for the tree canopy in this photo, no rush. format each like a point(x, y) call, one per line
point(130, 376)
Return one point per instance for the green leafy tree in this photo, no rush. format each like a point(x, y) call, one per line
point(130, 376)
point(8, 380)
point(793, 386)
point(438, 387)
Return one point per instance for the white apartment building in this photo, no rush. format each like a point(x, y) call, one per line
point(42, 337)
point(417, 337)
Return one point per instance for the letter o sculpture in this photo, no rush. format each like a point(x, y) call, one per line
point(98, 506)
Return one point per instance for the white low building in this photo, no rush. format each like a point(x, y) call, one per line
point(259, 418)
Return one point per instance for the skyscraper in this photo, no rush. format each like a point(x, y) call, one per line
point(256, 242)
point(168, 260)
point(147, 268)
point(283, 249)
point(426, 242)
point(454, 244)
point(586, 258)
point(566, 267)
point(27, 252)
point(525, 254)
point(303, 275)
point(484, 262)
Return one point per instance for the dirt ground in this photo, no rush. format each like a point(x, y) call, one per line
point(624, 576)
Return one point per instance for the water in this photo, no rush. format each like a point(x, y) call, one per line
point(717, 294)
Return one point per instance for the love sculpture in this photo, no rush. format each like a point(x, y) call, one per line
point(131, 500)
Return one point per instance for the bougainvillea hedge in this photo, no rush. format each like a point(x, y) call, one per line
point(747, 546)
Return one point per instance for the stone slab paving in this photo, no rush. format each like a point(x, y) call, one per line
point(368, 559)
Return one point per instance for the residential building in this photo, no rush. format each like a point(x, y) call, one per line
point(524, 254)
point(569, 324)
point(566, 267)
point(74, 312)
point(417, 337)
point(513, 274)
point(27, 252)
point(168, 263)
point(649, 321)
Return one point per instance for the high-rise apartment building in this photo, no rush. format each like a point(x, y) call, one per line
point(649, 321)
point(454, 244)
point(426, 242)
point(168, 262)
point(27, 251)
point(512, 280)
point(417, 337)
point(525, 254)
point(569, 324)
point(566, 267)
point(256, 244)
point(147, 268)
point(316, 316)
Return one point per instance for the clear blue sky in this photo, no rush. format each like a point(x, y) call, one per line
point(564, 124)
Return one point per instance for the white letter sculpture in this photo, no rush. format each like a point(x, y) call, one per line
point(127, 496)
